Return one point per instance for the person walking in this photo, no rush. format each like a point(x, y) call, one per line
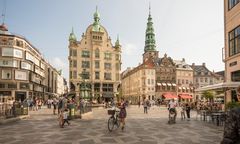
point(145, 105)
point(122, 113)
point(183, 109)
point(188, 109)
point(65, 117)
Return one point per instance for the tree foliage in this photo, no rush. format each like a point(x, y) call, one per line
point(208, 95)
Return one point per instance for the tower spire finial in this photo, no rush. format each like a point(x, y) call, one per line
point(149, 8)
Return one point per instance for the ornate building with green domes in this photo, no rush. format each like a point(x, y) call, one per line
point(99, 59)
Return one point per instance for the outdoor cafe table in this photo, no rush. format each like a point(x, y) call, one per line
point(217, 115)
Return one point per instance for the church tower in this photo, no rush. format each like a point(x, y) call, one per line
point(150, 42)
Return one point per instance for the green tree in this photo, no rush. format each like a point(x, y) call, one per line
point(208, 95)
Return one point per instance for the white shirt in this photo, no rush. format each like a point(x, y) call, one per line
point(172, 104)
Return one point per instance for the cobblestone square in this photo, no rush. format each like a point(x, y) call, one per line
point(152, 128)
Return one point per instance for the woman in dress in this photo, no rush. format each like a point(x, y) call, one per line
point(122, 113)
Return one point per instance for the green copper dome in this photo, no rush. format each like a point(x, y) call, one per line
point(96, 23)
point(117, 43)
point(72, 36)
point(150, 35)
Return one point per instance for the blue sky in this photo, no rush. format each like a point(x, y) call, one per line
point(190, 29)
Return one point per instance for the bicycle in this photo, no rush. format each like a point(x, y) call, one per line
point(113, 119)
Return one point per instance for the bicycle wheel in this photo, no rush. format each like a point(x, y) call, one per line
point(110, 123)
point(117, 122)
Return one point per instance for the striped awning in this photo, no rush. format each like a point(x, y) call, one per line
point(164, 84)
point(173, 84)
point(158, 84)
point(169, 84)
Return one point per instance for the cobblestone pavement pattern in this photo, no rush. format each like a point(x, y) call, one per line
point(152, 128)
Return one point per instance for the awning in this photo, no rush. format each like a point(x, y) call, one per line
point(185, 96)
point(183, 88)
point(179, 87)
point(164, 84)
point(188, 88)
point(158, 84)
point(219, 86)
point(173, 84)
point(169, 96)
point(169, 84)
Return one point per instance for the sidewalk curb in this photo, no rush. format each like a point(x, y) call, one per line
point(5, 121)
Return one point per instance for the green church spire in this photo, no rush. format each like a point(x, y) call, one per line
point(72, 36)
point(96, 23)
point(117, 43)
point(150, 36)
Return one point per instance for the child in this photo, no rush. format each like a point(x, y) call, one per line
point(65, 117)
point(183, 112)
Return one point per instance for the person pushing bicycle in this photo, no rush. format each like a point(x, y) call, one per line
point(123, 112)
point(172, 108)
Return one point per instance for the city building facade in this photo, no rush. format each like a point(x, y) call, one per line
point(98, 58)
point(231, 51)
point(139, 83)
point(202, 76)
point(184, 81)
point(24, 73)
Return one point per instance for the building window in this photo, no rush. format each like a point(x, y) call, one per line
point(97, 65)
point(74, 52)
point(6, 74)
point(235, 76)
point(183, 81)
point(117, 77)
point(71, 75)
point(206, 80)
point(74, 63)
point(179, 81)
point(117, 57)
point(24, 86)
point(74, 74)
point(186, 81)
point(97, 54)
point(232, 3)
point(8, 63)
point(234, 41)
point(2, 85)
point(25, 65)
point(107, 56)
point(86, 54)
point(85, 64)
point(12, 52)
point(152, 81)
point(107, 76)
point(21, 75)
point(107, 66)
point(201, 79)
point(117, 66)
point(97, 75)
point(148, 81)
point(12, 85)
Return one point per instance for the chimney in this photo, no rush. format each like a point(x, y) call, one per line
point(203, 64)
point(183, 59)
point(193, 64)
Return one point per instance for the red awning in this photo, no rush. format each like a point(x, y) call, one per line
point(169, 96)
point(185, 96)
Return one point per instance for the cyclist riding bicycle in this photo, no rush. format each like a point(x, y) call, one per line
point(172, 108)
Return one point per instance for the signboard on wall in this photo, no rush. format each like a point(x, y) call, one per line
point(21, 75)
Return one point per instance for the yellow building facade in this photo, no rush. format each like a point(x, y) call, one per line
point(98, 58)
point(231, 51)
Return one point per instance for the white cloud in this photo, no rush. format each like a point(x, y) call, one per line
point(59, 63)
point(129, 49)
